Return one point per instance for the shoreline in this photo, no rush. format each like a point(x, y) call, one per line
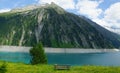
point(78, 50)
point(56, 50)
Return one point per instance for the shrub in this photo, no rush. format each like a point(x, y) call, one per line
point(3, 68)
point(38, 55)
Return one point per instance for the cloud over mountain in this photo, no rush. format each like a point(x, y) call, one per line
point(4, 10)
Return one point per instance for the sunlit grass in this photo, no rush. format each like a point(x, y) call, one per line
point(24, 68)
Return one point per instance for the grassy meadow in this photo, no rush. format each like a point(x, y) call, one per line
point(24, 68)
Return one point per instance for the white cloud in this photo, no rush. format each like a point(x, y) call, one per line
point(4, 10)
point(89, 8)
point(100, 22)
point(111, 16)
point(66, 4)
point(111, 19)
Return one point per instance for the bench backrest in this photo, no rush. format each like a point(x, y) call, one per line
point(61, 67)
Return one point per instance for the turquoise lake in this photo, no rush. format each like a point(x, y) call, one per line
point(102, 59)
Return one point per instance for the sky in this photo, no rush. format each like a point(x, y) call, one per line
point(104, 12)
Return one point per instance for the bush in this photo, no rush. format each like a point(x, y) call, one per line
point(3, 68)
point(38, 54)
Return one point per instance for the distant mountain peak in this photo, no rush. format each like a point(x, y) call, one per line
point(35, 6)
point(29, 7)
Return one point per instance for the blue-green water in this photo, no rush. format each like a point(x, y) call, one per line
point(105, 59)
point(15, 57)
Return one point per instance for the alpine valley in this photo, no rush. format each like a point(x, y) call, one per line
point(54, 27)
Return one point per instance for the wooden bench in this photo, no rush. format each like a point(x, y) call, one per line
point(61, 67)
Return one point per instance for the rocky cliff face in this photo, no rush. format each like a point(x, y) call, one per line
point(51, 25)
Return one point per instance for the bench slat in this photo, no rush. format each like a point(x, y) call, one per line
point(61, 67)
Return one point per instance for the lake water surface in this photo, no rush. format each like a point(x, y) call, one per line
point(104, 59)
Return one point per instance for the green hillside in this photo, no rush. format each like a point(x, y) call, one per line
point(51, 25)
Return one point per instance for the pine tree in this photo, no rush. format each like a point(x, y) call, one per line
point(38, 55)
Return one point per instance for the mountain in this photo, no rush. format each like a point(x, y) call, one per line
point(113, 37)
point(54, 27)
point(113, 29)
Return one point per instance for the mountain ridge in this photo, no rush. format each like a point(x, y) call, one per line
point(53, 26)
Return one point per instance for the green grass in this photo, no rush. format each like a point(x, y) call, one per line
point(23, 68)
